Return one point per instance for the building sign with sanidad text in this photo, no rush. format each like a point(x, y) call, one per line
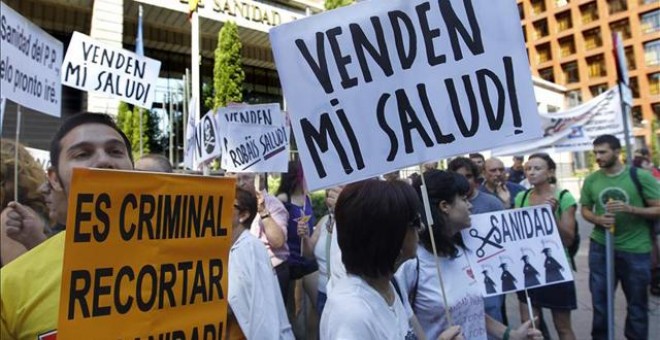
point(146, 257)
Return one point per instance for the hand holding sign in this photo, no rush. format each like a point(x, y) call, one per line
point(23, 225)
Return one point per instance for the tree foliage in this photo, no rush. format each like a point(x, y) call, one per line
point(332, 4)
point(128, 120)
point(228, 72)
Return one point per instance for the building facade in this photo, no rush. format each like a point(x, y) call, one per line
point(569, 42)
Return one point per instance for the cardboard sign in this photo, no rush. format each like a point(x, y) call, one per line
point(254, 148)
point(207, 145)
point(30, 61)
point(92, 66)
point(382, 85)
point(515, 249)
point(146, 257)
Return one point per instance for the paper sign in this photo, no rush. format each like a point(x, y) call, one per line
point(515, 249)
point(30, 61)
point(382, 85)
point(146, 257)
point(207, 145)
point(41, 156)
point(254, 148)
point(92, 66)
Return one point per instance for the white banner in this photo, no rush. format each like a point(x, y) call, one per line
point(92, 66)
point(515, 249)
point(30, 61)
point(382, 85)
point(576, 128)
point(206, 140)
point(41, 156)
point(255, 138)
point(254, 148)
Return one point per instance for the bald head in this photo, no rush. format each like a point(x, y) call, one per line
point(494, 172)
point(153, 163)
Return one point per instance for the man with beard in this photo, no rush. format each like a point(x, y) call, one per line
point(612, 202)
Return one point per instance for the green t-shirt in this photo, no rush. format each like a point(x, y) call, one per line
point(631, 232)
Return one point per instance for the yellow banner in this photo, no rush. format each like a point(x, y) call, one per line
point(146, 255)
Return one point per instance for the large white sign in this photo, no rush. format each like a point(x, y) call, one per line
point(30, 61)
point(516, 249)
point(382, 85)
point(92, 66)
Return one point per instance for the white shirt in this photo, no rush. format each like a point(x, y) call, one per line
point(463, 294)
point(357, 311)
point(281, 216)
point(320, 252)
point(254, 292)
point(337, 269)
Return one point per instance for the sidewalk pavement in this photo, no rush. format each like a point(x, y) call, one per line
point(581, 317)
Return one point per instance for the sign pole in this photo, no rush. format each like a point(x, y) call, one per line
point(429, 223)
point(18, 133)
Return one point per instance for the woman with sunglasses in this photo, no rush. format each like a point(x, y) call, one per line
point(418, 278)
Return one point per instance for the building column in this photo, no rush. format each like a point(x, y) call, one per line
point(108, 28)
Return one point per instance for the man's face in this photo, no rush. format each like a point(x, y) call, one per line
point(470, 178)
point(246, 181)
point(494, 172)
point(605, 156)
point(90, 146)
point(479, 162)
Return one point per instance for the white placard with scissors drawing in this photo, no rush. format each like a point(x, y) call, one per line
point(516, 249)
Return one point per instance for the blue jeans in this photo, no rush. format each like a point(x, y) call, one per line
point(634, 272)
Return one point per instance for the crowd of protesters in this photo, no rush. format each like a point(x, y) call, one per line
point(366, 269)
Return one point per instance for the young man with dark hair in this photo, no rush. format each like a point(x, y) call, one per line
point(30, 286)
point(479, 160)
point(611, 201)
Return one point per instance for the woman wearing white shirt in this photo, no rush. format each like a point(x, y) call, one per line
point(377, 224)
point(418, 278)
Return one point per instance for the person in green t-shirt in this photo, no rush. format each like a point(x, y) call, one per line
point(611, 201)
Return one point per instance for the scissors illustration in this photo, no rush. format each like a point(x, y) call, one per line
point(485, 240)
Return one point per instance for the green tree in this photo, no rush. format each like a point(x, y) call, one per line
point(332, 4)
point(228, 73)
point(655, 144)
point(128, 120)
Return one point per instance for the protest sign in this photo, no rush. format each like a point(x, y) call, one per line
point(30, 61)
point(146, 257)
point(206, 140)
point(516, 249)
point(254, 148)
point(574, 129)
point(382, 85)
point(41, 156)
point(92, 66)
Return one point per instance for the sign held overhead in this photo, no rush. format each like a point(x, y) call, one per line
point(398, 83)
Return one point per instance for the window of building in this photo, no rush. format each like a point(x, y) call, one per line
point(596, 66)
point(650, 22)
point(541, 29)
point(547, 74)
point(634, 87)
point(564, 21)
point(592, 39)
point(595, 90)
point(521, 11)
point(574, 98)
point(652, 53)
point(566, 46)
point(561, 3)
point(647, 2)
point(616, 6)
point(655, 107)
point(543, 53)
point(589, 12)
point(621, 26)
point(630, 58)
point(570, 72)
point(654, 83)
point(524, 30)
point(637, 116)
point(538, 6)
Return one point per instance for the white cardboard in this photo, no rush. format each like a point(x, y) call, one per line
point(352, 143)
point(254, 148)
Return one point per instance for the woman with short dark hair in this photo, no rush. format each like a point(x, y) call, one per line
point(418, 278)
point(377, 225)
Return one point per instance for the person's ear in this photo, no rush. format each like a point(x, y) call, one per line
point(54, 180)
point(243, 216)
point(444, 207)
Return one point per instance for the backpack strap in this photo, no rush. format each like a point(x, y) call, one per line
point(524, 198)
point(638, 185)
